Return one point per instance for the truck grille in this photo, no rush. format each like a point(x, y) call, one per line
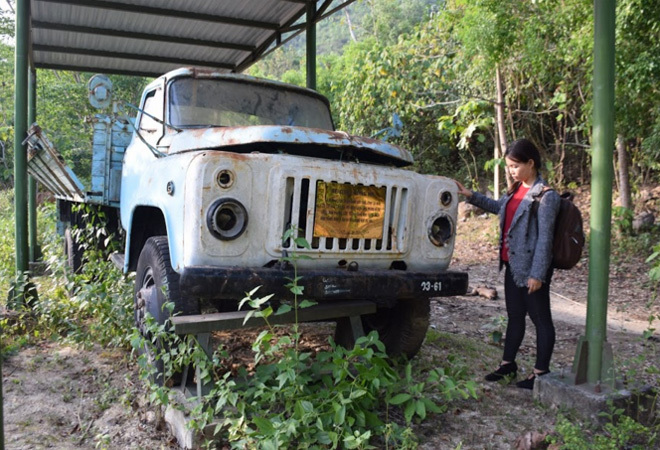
point(299, 213)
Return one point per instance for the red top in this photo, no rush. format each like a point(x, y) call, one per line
point(511, 208)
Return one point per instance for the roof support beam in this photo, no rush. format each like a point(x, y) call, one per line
point(98, 69)
point(20, 130)
point(179, 14)
point(294, 30)
point(599, 366)
point(35, 250)
point(130, 56)
point(44, 25)
point(311, 45)
point(320, 15)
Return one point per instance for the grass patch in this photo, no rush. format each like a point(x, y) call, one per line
point(475, 354)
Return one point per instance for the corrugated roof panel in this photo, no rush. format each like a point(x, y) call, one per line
point(273, 11)
point(154, 36)
point(147, 48)
point(145, 23)
point(105, 64)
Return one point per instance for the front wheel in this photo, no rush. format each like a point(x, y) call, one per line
point(402, 328)
point(156, 284)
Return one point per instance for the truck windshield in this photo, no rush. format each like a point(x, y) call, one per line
point(205, 102)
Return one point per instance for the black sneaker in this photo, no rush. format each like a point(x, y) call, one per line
point(528, 383)
point(505, 370)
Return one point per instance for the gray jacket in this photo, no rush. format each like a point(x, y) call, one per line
point(530, 241)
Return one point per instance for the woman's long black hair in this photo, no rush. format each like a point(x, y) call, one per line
point(522, 151)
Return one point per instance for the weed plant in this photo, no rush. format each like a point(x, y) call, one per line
point(340, 398)
point(619, 432)
point(94, 306)
point(7, 264)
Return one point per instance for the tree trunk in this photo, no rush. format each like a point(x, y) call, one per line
point(350, 25)
point(624, 189)
point(501, 129)
point(496, 168)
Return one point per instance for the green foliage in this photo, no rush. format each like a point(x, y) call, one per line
point(7, 262)
point(638, 71)
point(94, 306)
point(496, 328)
point(619, 431)
point(341, 398)
point(623, 219)
point(94, 237)
point(64, 121)
point(428, 61)
point(654, 273)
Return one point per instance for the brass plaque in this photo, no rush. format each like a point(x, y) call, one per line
point(349, 211)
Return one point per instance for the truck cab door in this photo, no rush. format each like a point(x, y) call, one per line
point(150, 122)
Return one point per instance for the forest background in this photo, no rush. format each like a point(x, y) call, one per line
point(463, 77)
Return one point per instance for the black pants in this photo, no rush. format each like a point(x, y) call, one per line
point(519, 303)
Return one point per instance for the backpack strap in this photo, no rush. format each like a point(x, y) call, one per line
point(537, 199)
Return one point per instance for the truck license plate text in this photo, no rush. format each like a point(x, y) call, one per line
point(428, 286)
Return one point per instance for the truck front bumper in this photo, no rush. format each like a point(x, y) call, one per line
point(382, 286)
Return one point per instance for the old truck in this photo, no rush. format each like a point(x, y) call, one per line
point(205, 182)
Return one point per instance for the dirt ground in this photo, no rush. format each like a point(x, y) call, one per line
point(69, 398)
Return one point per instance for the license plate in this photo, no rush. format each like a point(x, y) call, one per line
point(349, 211)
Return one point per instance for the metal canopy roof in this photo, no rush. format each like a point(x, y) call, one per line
point(151, 37)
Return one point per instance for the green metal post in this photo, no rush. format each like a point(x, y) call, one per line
point(2, 416)
point(311, 45)
point(601, 187)
point(20, 130)
point(35, 252)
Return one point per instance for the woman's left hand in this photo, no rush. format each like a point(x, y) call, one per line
point(533, 285)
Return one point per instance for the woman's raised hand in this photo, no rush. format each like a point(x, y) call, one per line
point(462, 190)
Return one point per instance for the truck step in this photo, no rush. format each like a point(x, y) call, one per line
point(206, 323)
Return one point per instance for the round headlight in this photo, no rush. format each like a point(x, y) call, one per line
point(441, 231)
point(227, 219)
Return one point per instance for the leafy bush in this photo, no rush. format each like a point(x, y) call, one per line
point(94, 306)
point(7, 262)
point(619, 432)
point(340, 398)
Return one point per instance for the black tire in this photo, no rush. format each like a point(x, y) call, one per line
point(401, 328)
point(73, 251)
point(156, 283)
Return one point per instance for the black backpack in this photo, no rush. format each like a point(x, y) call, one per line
point(568, 240)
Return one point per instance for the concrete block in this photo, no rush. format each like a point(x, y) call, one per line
point(177, 419)
point(560, 392)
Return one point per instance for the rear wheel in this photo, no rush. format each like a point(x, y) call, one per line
point(401, 328)
point(156, 284)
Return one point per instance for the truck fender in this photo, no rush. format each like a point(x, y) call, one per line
point(146, 221)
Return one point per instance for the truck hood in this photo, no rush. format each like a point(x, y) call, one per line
point(242, 138)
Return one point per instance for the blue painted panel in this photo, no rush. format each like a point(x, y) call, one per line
point(110, 138)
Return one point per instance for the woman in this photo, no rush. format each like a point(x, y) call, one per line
point(526, 253)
